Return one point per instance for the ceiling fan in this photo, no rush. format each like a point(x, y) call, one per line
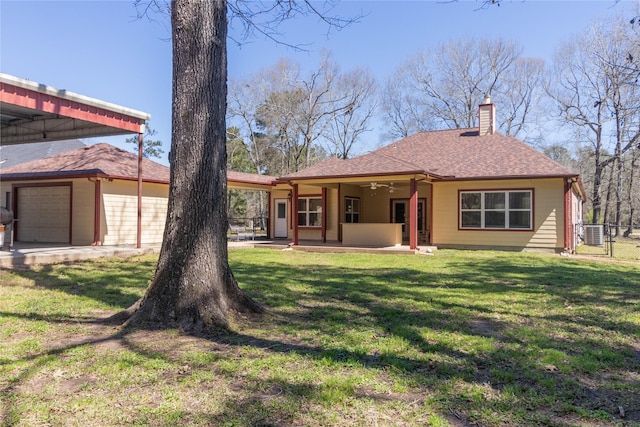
point(376, 185)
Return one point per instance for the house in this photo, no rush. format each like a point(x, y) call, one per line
point(86, 196)
point(459, 188)
point(89, 196)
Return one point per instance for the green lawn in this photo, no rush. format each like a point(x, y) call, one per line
point(459, 338)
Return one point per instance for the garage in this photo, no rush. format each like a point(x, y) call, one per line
point(33, 225)
point(35, 112)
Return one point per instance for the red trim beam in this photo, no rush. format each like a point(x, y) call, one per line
point(35, 112)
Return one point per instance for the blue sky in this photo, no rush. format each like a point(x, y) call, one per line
point(99, 49)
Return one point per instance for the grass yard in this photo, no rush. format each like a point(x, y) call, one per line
point(624, 248)
point(455, 339)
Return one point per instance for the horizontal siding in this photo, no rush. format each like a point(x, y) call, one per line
point(120, 212)
point(548, 216)
point(83, 212)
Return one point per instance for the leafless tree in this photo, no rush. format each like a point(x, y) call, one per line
point(442, 87)
point(353, 106)
point(298, 114)
point(596, 95)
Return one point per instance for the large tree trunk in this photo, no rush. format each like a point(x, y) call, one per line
point(193, 287)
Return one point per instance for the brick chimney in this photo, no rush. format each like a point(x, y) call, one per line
point(486, 117)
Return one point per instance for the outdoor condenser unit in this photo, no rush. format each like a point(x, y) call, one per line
point(594, 235)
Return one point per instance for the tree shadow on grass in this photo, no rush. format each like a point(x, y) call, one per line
point(444, 329)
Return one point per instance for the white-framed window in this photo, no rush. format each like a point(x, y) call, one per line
point(491, 209)
point(310, 211)
point(351, 210)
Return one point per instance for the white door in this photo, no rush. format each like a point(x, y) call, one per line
point(281, 219)
point(44, 214)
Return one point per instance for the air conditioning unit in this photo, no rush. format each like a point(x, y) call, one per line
point(594, 235)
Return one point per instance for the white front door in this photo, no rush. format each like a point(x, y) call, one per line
point(281, 219)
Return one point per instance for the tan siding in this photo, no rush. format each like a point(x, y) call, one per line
point(83, 212)
point(548, 216)
point(333, 219)
point(120, 207)
point(155, 199)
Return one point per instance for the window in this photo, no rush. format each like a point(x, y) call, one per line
point(351, 210)
point(509, 210)
point(310, 211)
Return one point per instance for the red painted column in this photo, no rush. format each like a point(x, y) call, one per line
point(269, 214)
point(294, 202)
point(413, 214)
point(567, 216)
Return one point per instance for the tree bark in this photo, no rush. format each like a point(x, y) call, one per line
point(193, 287)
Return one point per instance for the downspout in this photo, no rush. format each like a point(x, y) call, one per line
point(139, 235)
point(413, 214)
point(97, 196)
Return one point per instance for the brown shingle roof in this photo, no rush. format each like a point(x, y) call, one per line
point(103, 160)
point(250, 178)
point(449, 154)
point(364, 165)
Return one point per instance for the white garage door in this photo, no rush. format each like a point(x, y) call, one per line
point(43, 214)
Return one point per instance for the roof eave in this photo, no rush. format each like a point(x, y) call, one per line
point(290, 179)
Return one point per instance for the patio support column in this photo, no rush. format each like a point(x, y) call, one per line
point(269, 199)
point(413, 214)
point(97, 186)
point(294, 216)
point(140, 151)
point(324, 214)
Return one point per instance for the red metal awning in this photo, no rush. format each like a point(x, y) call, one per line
point(34, 112)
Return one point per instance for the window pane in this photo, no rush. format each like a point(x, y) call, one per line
point(494, 219)
point(520, 219)
point(315, 205)
point(356, 205)
point(356, 218)
point(471, 219)
point(494, 201)
point(348, 207)
point(282, 210)
point(302, 204)
point(470, 200)
point(348, 218)
point(302, 219)
point(315, 219)
point(520, 200)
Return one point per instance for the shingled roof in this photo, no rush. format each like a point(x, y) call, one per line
point(446, 154)
point(99, 160)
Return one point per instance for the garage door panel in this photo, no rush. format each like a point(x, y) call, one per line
point(44, 214)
